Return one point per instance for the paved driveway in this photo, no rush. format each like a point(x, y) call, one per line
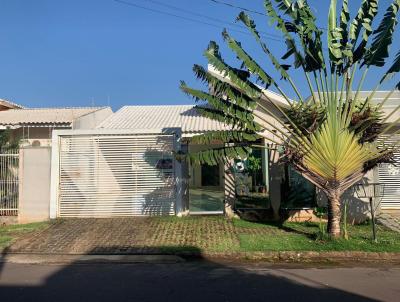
point(127, 235)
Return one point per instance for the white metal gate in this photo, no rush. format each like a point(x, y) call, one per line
point(9, 167)
point(389, 174)
point(116, 175)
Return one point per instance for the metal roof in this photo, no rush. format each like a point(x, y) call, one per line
point(185, 117)
point(15, 117)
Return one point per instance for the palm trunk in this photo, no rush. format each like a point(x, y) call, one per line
point(334, 215)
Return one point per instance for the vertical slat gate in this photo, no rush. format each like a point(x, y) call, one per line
point(116, 175)
point(9, 167)
point(389, 174)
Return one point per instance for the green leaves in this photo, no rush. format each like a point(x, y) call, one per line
point(248, 61)
point(252, 27)
point(214, 58)
point(331, 140)
point(303, 24)
point(334, 36)
point(383, 37)
point(222, 109)
point(231, 136)
point(219, 154)
point(364, 17)
point(395, 68)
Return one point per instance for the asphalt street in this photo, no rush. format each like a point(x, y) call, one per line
point(196, 281)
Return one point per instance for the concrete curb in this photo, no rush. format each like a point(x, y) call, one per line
point(97, 259)
point(309, 256)
point(272, 257)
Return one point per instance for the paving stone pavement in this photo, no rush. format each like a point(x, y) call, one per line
point(127, 236)
point(390, 221)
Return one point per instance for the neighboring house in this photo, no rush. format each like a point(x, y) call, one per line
point(34, 126)
point(6, 105)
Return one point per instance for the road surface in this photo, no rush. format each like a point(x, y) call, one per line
point(196, 281)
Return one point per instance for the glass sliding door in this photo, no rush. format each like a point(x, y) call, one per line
point(206, 193)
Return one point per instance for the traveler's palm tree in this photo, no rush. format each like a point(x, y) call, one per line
point(331, 137)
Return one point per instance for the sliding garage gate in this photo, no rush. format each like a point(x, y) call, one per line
point(116, 175)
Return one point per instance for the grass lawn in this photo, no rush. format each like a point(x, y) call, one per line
point(303, 237)
point(9, 233)
point(217, 234)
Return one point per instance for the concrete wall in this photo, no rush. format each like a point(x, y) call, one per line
point(92, 120)
point(34, 186)
point(358, 209)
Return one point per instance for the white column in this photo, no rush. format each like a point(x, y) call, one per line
point(55, 174)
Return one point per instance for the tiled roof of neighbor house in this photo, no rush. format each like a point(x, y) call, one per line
point(161, 116)
point(14, 117)
point(9, 104)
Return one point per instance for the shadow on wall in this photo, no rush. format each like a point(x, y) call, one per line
point(104, 182)
point(195, 281)
point(358, 210)
point(160, 199)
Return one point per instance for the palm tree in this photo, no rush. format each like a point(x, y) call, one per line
point(330, 138)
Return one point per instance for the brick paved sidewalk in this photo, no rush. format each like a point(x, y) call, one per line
point(129, 236)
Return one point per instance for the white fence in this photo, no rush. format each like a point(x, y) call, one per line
point(9, 166)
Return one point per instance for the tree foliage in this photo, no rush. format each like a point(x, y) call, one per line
point(331, 138)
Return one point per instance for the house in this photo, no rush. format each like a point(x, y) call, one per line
point(126, 166)
point(34, 126)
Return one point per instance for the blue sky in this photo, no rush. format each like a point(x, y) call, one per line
point(85, 52)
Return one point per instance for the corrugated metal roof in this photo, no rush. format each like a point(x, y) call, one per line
point(15, 117)
point(162, 116)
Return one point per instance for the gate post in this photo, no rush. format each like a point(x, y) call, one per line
point(179, 181)
point(55, 174)
point(34, 184)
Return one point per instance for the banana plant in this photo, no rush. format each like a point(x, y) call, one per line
point(331, 137)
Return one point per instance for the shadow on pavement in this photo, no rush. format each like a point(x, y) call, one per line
point(200, 280)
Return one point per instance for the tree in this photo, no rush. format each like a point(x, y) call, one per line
point(330, 138)
point(7, 141)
